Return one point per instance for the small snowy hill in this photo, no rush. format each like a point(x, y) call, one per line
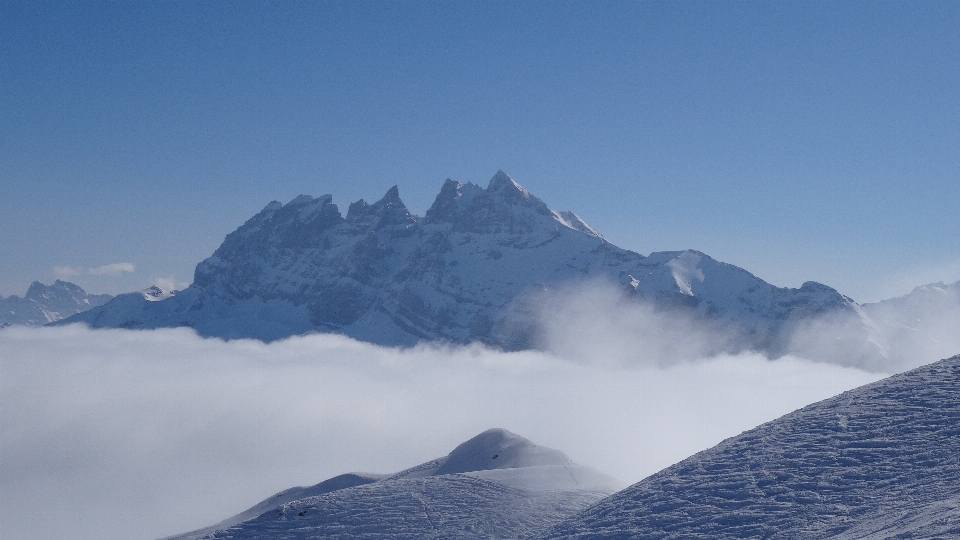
point(496, 485)
point(48, 303)
point(881, 461)
point(469, 270)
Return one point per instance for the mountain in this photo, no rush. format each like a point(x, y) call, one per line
point(877, 462)
point(495, 485)
point(475, 267)
point(924, 323)
point(48, 303)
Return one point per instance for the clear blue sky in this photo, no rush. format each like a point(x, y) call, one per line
point(799, 140)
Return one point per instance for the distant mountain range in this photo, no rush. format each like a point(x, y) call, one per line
point(476, 267)
point(495, 485)
point(48, 303)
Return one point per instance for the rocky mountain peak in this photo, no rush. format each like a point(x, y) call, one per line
point(271, 207)
point(505, 189)
point(298, 218)
point(392, 194)
point(43, 304)
point(504, 206)
point(60, 291)
point(37, 290)
point(451, 202)
point(302, 200)
point(502, 181)
point(388, 211)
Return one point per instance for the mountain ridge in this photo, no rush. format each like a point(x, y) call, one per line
point(469, 270)
point(43, 304)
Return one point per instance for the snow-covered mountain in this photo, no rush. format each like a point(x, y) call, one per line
point(48, 303)
point(471, 269)
point(877, 462)
point(495, 485)
point(923, 324)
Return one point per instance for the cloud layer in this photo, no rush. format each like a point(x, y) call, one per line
point(137, 435)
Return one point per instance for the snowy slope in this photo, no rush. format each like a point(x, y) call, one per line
point(880, 461)
point(48, 303)
point(496, 485)
point(469, 270)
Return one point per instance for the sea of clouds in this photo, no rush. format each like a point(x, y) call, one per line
point(110, 434)
point(121, 434)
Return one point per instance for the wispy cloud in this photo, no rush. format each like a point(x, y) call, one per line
point(114, 269)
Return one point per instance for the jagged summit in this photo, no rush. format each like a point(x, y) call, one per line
point(449, 202)
point(271, 207)
point(389, 211)
point(503, 207)
point(507, 189)
point(38, 291)
point(43, 304)
point(303, 200)
point(501, 180)
point(505, 186)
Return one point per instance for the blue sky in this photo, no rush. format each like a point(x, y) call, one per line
point(799, 140)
